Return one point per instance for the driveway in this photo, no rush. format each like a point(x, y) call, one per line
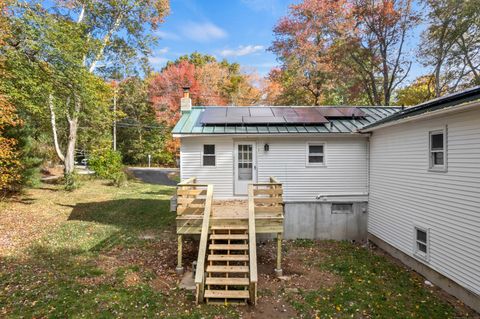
point(154, 175)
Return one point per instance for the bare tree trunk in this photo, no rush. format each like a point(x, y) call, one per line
point(72, 140)
point(54, 129)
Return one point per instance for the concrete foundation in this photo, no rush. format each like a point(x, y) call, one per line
point(470, 299)
point(312, 220)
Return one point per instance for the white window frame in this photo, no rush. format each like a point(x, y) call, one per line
point(214, 155)
point(417, 252)
point(324, 154)
point(431, 166)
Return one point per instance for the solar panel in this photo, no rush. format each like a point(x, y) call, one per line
point(282, 111)
point(263, 120)
point(329, 111)
point(238, 111)
point(261, 111)
point(307, 115)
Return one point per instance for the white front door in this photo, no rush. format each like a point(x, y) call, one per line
point(245, 166)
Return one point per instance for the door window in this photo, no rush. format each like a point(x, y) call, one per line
point(245, 162)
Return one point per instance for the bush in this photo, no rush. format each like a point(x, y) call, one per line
point(71, 181)
point(108, 165)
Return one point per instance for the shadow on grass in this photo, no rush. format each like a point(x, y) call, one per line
point(129, 214)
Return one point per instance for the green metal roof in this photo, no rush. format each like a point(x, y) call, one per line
point(190, 123)
point(449, 100)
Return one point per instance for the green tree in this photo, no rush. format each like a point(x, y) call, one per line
point(421, 90)
point(138, 132)
point(69, 45)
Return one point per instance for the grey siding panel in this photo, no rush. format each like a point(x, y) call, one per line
point(404, 193)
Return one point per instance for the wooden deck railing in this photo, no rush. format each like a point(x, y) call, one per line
point(252, 246)
point(202, 250)
point(267, 204)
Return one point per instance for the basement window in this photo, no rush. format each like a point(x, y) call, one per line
point(342, 208)
point(421, 243)
point(208, 155)
point(316, 154)
point(437, 152)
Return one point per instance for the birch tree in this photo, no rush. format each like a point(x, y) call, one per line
point(77, 42)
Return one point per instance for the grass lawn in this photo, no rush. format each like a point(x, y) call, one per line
point(108, 252)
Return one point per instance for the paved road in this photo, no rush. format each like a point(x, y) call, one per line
point(154, 175)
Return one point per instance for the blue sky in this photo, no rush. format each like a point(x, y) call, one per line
point(238, 30)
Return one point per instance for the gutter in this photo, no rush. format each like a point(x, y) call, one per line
point(421, 116)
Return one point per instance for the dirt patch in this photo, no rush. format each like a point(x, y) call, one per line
point(131, 279)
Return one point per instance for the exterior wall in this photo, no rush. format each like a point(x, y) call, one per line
point(343, 178)
point(404, 193)
point(310, 220)
point(221, 175)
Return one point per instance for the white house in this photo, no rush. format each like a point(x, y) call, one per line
point(412, 175)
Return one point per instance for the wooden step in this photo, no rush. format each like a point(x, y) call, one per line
point(228, 247)
point(228, 257)
point(227, 281)
point(227, 227)
point(231, 237)
point(229, 269)
point(236, 294)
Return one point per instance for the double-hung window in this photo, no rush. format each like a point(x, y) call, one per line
point(316, 154)
point(438, 150)
point(208, 155)
point(421, 248)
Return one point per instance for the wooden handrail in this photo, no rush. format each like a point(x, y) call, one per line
point(190, 180)
point(252, 245)
point(274, 180)
point(202, 250)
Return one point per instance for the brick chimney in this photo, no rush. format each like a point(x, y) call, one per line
point(186, 101)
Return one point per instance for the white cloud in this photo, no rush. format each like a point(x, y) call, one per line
point(158, 60)
point(242, 50)
point(166, 35)
point(162, 50)
point(203, 32)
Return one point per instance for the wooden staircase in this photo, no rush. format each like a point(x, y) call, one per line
point(228, 270)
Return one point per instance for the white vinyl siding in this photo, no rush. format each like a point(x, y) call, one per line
point(346, 173)
point(220, 175)
point(404, 193)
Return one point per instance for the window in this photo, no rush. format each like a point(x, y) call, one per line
point(208, 155)
point(438, 154)
point(342, 208)
point(316, 154)
point(421, 242)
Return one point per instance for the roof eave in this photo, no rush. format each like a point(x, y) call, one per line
point(416, 117)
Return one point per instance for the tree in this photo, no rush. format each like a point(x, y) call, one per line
point(451, 44)
point(10, 165)
point(303, 41)
point(73, 42)
point(421, 90)
point(334, 50)
point(138, 132)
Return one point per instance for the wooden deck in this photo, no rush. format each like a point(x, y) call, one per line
point(227, 257)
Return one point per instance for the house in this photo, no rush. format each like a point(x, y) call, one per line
point(409, 179)
point(424, 195)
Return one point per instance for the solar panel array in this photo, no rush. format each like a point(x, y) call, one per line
point(276, 115)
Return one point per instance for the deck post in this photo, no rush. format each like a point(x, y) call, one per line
point(278, 270)
point(179, 268)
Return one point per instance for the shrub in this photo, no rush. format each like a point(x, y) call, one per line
point(71, 181)
point(108, 165)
